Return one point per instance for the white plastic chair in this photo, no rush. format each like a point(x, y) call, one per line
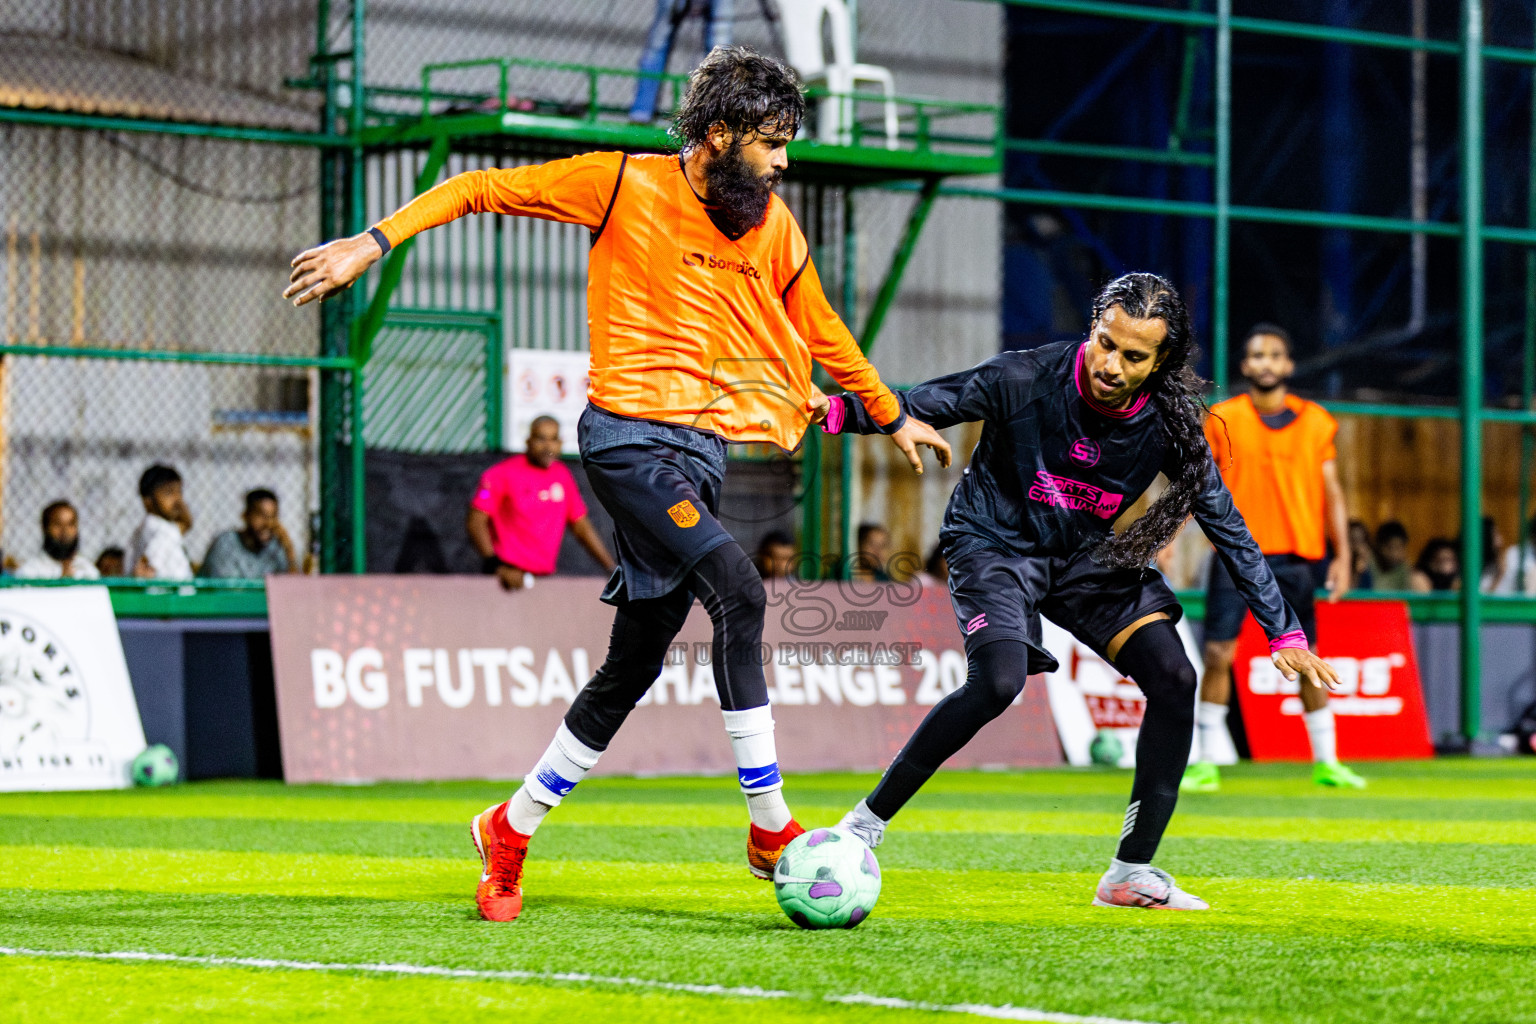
point(802, 24)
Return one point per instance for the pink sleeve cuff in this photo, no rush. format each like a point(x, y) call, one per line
point(1294, 640)
point(836, 414)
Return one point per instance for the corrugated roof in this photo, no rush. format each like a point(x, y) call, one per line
point(51, 74)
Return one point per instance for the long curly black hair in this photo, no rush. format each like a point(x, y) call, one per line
point(748, 92)
point(1179, 394)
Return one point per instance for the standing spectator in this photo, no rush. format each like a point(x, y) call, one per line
point(262, 549)
point(1517, 569)
point(155, 550)
point(60, 558)
point(775, 558)
point(1276, 454)
point(668, 18)
point(111, 562)
point(1438, 567)
point(874, 554)
point(520, 511)
point(1361, 557)
point(1391, 570)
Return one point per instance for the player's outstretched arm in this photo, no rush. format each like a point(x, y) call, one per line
point(1223, 524)
point(323, 271)
point(577, 190)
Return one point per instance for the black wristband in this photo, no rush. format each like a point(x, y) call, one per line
point(382, 239)
point(489, 564)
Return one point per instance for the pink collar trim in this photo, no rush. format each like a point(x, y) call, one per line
point(1078, 372)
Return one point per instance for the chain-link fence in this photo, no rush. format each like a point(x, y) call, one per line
point(141, 312)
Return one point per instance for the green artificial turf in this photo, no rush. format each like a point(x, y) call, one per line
point(1414, 900)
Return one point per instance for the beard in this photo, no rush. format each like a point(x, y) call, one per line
point(738, 195)
point(60, 551)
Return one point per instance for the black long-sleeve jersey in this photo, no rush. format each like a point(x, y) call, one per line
point(1054, 468)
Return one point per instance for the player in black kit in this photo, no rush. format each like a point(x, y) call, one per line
point(1075, 433)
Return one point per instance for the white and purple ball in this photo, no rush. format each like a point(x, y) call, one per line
point(827, 878)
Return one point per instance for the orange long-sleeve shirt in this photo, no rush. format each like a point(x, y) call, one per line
point(687, 326)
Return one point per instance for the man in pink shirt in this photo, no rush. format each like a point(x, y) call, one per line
point(520, 510)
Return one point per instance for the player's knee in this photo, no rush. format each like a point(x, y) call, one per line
point(997, 673)
point(752, 597)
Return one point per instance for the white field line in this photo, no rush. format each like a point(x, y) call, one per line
point(428, 970)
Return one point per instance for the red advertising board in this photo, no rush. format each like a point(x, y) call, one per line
point(1378, 707)
point(444, 677)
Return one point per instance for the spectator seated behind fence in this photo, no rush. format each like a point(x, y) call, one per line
point(156, 551)
point(1438, 567)
point(874, 553)
point(775, 558)
point(262, 549)
point(520, 510)
point(1391, 569)
point(110, 562)
point(1519, 561)
point(60, 557)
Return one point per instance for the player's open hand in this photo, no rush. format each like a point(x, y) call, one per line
point(1294, 662)
point(323, 271)
point(914, 433)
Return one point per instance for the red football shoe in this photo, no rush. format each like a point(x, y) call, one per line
point(502, 851)
point(764, 847)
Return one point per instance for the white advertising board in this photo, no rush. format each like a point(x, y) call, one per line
point(1088, 694)
point(68, 719)
point(540, 383)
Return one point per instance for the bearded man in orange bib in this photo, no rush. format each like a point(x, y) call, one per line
point(705, 313)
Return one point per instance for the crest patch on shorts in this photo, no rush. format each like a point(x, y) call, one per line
point(684, 514)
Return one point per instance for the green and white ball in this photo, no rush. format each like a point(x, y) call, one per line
point(156, 766)
point(827, 878)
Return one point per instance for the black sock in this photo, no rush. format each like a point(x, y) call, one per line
point(1154, 658)
point(994, 677)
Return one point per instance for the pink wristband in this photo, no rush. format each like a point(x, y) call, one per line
point(1294, 640)
point(836, 414)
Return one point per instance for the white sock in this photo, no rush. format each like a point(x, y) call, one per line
point(524, 813)
point(1325, 748)
point(1120, 870)
point(1209, 720)
point(564, 764)
point(864, 823)
point(757, 766)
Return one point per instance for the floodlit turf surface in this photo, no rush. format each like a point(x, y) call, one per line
point(1414, 900)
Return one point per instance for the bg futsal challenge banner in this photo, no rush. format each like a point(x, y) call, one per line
point(1378, 706)
point(448, 677)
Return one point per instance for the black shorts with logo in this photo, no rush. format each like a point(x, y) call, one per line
point(661, 484)
point(997, 596)
point(1225, 608)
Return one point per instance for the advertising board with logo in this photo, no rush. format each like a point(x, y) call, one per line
point(68, 719)
point(441, 677)
point(1378, 706)
point(1089, 695)
point(539, 383)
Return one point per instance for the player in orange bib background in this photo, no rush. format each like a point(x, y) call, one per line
point(705, 313)
point(1277, 456)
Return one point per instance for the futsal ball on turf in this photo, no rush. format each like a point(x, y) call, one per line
point(827, 878)
point(156, 766)
point(1106, 748)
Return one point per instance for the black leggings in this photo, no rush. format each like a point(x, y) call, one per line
point(728, 584)
point(1154, 657)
